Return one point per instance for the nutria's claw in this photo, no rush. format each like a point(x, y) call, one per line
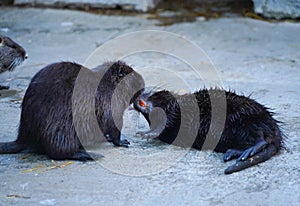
point(231, 154)
point(253, 150)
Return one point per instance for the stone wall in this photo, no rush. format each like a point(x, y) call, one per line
point(277, 9)
point(137, 5)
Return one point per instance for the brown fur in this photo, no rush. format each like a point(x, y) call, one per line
point(66, 105)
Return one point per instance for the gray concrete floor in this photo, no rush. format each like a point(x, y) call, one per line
point(251, 57)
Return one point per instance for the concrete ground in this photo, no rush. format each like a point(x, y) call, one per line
point(251, 57)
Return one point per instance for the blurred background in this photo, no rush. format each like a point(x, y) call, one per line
point(179, 10)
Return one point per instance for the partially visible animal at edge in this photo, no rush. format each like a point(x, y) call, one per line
point(11, 55)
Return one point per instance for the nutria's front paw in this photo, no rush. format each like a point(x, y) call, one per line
point(125, 143)
point(122, 143)
point(148, 134)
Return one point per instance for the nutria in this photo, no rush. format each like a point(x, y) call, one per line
point(11, 55)
point(249, 131)
point(55, 112)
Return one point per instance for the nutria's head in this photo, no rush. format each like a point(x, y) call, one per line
point(127, 81)
point(119, 80)
point(11, 54)
point(148, 101)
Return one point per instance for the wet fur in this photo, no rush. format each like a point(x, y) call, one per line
point(52, 118)
point(250, 134)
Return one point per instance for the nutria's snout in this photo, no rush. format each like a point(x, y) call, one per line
point(22, 53)
point(25, 55)
point(143, 106)
point(11, 54)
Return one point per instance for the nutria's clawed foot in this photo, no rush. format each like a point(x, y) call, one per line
point(232, 154)
point(125, 143)
point(122, 143)
point(243, 155)
point(251, 151)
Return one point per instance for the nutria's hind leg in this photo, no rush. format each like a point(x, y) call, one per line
point(11, 147)
point(81, 155)
point(251, 151)
point(232, 154)
point(242, 155)
point(261, 156)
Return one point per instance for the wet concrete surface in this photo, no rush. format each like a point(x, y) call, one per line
point(251, 57)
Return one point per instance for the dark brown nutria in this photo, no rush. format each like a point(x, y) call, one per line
point(11, 55)
point(56, 116)
point(249, 131)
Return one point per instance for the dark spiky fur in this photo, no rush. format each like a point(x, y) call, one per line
point(59, 106)
point(250, 132)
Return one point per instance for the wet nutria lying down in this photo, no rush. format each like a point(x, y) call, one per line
point(66, 103)
point(248, 133)
point(11, 55)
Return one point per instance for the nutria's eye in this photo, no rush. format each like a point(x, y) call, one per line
point(142, 103)
point(121, 73)
point(1, 40)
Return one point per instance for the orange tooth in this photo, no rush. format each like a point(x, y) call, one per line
point(141, 103)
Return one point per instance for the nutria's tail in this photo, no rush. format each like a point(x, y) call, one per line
point(10, 147)
point(262, 156)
